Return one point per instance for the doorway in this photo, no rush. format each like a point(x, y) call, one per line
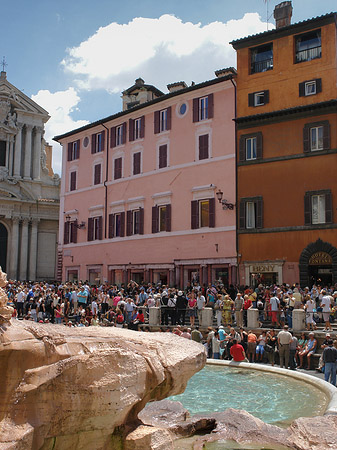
point(3, 247)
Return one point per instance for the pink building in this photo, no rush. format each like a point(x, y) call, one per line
point(138, 192)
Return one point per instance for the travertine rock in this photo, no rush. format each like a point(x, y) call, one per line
point(149, 438)
point(5, 311)
point(70, 388)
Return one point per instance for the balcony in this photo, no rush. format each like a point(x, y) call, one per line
point(309, 54)
point(261, 66)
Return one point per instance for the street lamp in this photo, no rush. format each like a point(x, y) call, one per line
point(223, 201)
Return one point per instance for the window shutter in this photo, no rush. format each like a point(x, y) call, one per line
point(142, 127)
point(155, 211)
point(156, 122)
point(141, 220)
point(318, 85)
point(129, 223)
point(259, 145)
point(168, 217)
point(328, 208)
point(307, 209)
point(78, 149)
point(69, 150)
point(93, 143)
point(122, 232)
point(100, 227)
point(97, 174)
point(210, 106)
point(74, 232)
point(242, 215)
point(111, 226)
point(131, 130)
point(306, 139)
point(259, 213)
point(195, 110)
point(169, 118)
point(242, 149)
point(162, 156)
point(103, 140)
point(301, 89)
point(136, 163)
point(250, 99)
point(90, 229)
point(118, 168)
point(66, 233)
point(72, 181)
point(211, 223)
point(203, 146)
point(194, 214)
point(266, 97)
point(326, 136)
point(123, 132)
point(113, 137)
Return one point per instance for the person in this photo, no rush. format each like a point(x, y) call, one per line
point(308, 350)
point(237, 352)
point(261, 342)
point(244, 338)
point(251, 345)
point(292, 352)
point(275, 310)
point(320, 367)
point(181, 304)
point(129, 307)
point(302, 341)
point(246, 305)
point(271, 346)
point(216, 346)
point(218, 310)
point(238, 307)
point(200, 305)
point(82, 296)
point(326, 308)
point(227, 306)
point(310, 309)
point(283, 339)
point(196, 335)
point(119, 318)
point(330, 362)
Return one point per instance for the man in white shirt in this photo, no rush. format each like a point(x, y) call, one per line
point(20, 298)
point(200, 305)
point(284, 338)
point(326, 307)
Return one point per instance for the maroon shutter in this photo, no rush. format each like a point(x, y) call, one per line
point(113, 137)
point(131, 130)
point(318, 85)
point(70, 146)
point(169, 118)
point(74, 232)
point(72, 181)
point(99, 227)
point(195, 110)
point(194, 214)
point(301, 89)
point(168, 217)
point(210, 106)
point(90, 229)
point(141, 220)
point(328, 208)
point(93, 143)
point(111, 226)
point(203, 146)
point(266, 97)
point(156, 122)
point(242, 215)
point(66, 233)
point(259, 145)
point(102, 140)
point(129, 223)
point(155, 218)
point(142, 127)
point(307, 209)
point(124, 133)
point(97, 174)
point(306, 139)
point(259, 213)
point(251, 100)
point(122, 232)
point(211, 212)
point(136, 163)
point(78, 149)
point(326, 136)
point(118, 168)
point(162, 156)
point(242, 149)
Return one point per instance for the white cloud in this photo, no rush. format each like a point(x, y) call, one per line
point(163, 50)
point(60, 105)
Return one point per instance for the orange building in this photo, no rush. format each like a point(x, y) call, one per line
point(287, 152)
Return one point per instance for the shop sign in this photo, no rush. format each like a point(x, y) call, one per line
point(320, 258)
point(262, 268)
point(322, 271)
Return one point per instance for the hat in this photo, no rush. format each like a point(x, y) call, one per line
point(311, 334)
point(180, 293)
point(221, 327)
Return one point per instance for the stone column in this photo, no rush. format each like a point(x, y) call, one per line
point(18, 151)
point(154, 316)
point(253, 318)
point(24, 250)
point(14, 253)
point(33, 251)
point(11, 156)
point(298, 320)
point(207, 317)
point(28, 152)
point(37, 152)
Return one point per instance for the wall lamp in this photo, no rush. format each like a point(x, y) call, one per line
point(224, 202)
point(77, 225)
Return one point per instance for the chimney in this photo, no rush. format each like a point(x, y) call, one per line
point(282, 14)
point(173, 87)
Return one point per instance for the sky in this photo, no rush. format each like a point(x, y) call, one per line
point(75, 57)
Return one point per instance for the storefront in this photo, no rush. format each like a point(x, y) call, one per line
point(263, 272)
point(318, 264)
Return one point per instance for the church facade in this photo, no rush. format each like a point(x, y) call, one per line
point(29, 191)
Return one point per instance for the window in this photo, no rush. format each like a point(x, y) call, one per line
point(97, 142)
point(311, 87)
point(203, 147)
point(258, 98)
point(203, 108)
point(308, 46)
point(70, 232)
point(162, 156)
point(251, 213)
point(136, 163)
point(73, 184)
point(118, 135)
point(261, 58)
point(2, 153)
point(161, 218)
point(116, 225)
point(118, 164)
point(97, 174)
point(316, 136)
point(203, 213)
point(162, 120)
point(136, 128)
point(73, 150)
point(135, 222)
point(95, 228)
point(250, 147)
point(318, 207)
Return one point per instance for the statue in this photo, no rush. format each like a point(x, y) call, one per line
point(11, 120)
point(5, 311)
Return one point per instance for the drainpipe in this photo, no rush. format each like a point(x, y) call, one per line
point(105, 181)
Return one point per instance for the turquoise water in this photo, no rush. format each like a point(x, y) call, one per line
point(273, 398)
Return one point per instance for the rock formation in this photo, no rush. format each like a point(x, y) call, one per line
point(5, 311)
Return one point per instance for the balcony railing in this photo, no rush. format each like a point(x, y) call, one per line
point(262, 66)
point(309, 54)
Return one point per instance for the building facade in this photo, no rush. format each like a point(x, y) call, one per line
point(29, 192)
point(286, 152)
point(138, 192)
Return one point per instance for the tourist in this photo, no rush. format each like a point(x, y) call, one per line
point(308, 351)
point(192, 308)
point(292, 351)
point(227, 306)
point(271, 346)
point(310, 309)
point(326, 308)
point(181, 305)
point(330, 362)
point(261, 342)
point(218, 310)
point(325, 344)
point(275, 310)
point(196, 335)
point(215, 346)
point(129, 308)
point(237, 352)
point(200, 305)
point(243, 338)
point(238, 308)
point(251, 346)
point(302, 341)
point(186, 334)
point(283, 339)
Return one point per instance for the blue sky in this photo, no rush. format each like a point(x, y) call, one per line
point(75, 57)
